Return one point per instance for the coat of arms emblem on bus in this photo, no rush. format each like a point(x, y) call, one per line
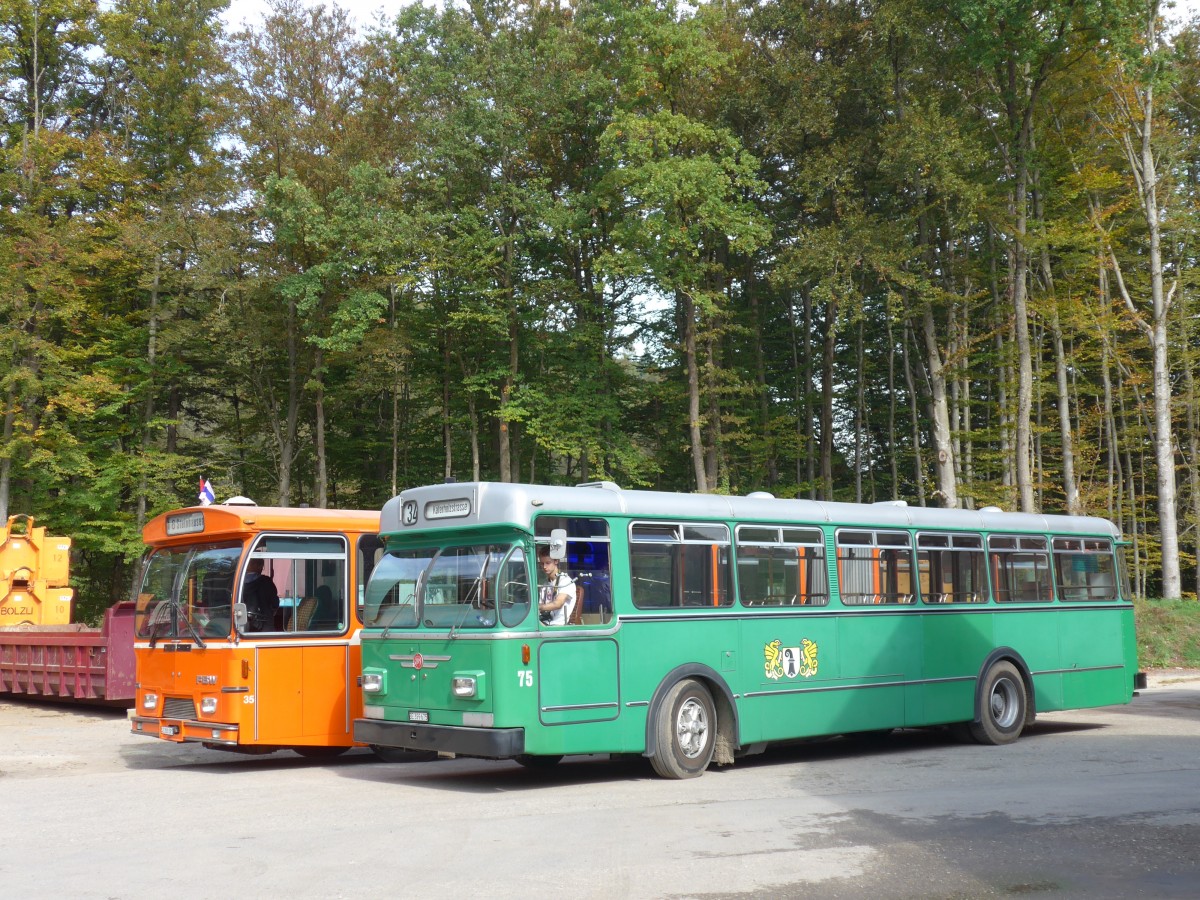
point(788, 662)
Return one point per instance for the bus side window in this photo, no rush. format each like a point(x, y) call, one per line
point(370, 551)
point(588, 564)
point(951, 568)
point(309, 575)
point(675, 564)
point(1085, 569)
point(1021, 567)
point(781, 566)
point(875, 567)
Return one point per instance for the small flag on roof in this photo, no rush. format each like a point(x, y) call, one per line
point(206, 492)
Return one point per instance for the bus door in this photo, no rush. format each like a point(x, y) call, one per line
point(302, 665)
point(578, 662)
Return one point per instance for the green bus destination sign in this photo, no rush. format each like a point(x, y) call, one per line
point(448, 509)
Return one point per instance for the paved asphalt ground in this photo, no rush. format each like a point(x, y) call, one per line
point(1088, 804)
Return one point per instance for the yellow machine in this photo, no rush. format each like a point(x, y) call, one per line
point(34, 572)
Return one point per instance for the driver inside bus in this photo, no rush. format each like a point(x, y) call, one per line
point(260, 596)
point(556, 598)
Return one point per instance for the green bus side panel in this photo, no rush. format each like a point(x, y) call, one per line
point(788, 666)
point(956, 643)
point(1094, 655)
point(1033, 633)
point(578, 681)
point(879, 654)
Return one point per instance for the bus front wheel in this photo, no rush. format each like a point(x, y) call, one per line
point(1002, 702)
point(685, 731)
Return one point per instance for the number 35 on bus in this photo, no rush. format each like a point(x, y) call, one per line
point(701, 627)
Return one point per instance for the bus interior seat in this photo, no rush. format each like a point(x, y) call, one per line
point(577, 609)
point(325, 612)
point(304, 613)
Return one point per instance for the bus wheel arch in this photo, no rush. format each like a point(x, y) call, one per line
point(660, 719)
point(1004, 699)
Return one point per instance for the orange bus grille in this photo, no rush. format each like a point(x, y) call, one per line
point(179, 708)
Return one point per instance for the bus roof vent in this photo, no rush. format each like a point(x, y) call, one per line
point(239, 500)
point(603, 485)
point(890, 503)
point(991, 509)
point(760, 495)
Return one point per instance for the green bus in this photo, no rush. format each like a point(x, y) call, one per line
point(705, 627)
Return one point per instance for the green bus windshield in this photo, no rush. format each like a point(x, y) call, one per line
point(449, 587)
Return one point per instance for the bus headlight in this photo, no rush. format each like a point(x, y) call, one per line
point(372, 683)
point(208, 705)
point(464, 685)
point(150, 701)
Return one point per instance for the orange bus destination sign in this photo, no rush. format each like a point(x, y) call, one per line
point(185, 523)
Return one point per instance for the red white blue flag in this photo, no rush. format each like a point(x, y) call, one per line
point(206, 492)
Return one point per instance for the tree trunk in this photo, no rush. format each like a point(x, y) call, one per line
point(828, 359)
point(1140, 154)
point(915, 414)
point(946, 493)
point(148, 407)
point(322, 498)
point(687, 307)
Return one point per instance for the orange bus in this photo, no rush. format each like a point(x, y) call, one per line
point(246, 627)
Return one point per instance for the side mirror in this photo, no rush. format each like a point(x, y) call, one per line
point(558, 544)
point(240, 616)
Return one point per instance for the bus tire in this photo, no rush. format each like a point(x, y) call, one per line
point(686, 731)
point(1000, 717)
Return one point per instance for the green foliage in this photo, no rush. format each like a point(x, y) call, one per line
point(1168, 633)
point(609, 239)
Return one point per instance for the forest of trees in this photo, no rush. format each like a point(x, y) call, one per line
point(945, 252)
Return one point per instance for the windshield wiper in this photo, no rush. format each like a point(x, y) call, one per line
point(191, 626)
point(158, 619)
point(411, 598)
point(173, 603)
point(474, 595)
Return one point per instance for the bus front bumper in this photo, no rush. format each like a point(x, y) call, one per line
point(183, 731)
point(490, 743)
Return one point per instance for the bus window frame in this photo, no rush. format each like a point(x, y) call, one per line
point(1084, 551)
point(587, 579)
point(252, 552)
point(952, 545)
point(881, 598)
point(1022, 546)
point(818, 564)
point(679, 534)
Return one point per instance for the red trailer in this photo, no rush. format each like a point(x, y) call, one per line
point(71, 662)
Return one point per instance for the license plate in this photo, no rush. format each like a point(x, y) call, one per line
point(418, 716)
point(170, 730)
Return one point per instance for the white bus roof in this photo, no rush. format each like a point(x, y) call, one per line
point(472, 504)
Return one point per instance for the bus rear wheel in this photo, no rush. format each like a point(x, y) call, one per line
point(685, 731)
point(1002, 704)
